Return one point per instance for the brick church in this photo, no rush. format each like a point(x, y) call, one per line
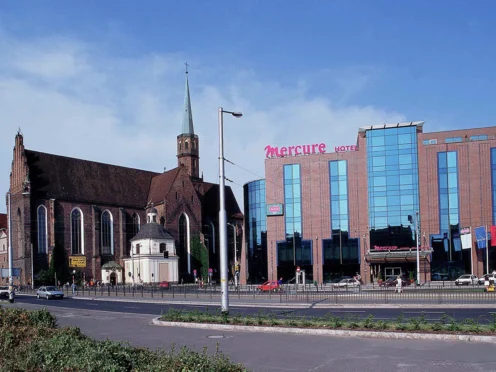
point(91, 210)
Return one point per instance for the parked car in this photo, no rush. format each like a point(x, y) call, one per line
point(439, 276)
point(391, 281)
point(467, 279)
point(49, 292)
point(4, 291)
point(164, 284)
point(270, 286)
point(347, 283)
point(492, 278)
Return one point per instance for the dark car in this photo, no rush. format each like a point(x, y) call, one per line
point(391, 282)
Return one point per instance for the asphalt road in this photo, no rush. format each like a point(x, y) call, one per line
point(136, 306)
point(277, 352)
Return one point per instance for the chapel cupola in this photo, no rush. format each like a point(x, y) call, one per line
point(151, 215)
point(187, 142)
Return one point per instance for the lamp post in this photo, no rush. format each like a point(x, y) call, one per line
point(222, 214)
point(235, 256)
point(417, 243)
point(11, 257)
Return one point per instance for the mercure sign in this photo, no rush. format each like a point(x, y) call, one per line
point(316, 148)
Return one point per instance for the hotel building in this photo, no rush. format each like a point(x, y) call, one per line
point(364, 208)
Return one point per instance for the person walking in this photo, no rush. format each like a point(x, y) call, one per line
point(398, 284)
point(74, 288)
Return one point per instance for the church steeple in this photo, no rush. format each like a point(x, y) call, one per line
point(187, 142)
point(187, 115)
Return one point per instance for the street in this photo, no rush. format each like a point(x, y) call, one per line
point(269, 352)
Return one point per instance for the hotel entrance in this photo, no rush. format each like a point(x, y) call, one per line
point(392, 272)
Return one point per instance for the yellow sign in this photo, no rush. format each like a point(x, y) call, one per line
point(77, 261)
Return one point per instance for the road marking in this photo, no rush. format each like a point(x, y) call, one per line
point(131, 307)
point(424, 312)
point(345, 311)
point(92, 304)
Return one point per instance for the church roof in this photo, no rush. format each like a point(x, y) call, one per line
point(60, 177)
point(3, 221)
point(187, 115)
point(161, 185)
point(211, 200)
point(152, 230)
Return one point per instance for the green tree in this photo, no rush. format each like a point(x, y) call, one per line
point(59, 264)
point(199, 255)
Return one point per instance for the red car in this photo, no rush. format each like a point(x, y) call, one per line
point(270, 286)
point(164, 284)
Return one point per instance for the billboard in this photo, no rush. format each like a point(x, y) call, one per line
point(77, 261)
point(275, 209)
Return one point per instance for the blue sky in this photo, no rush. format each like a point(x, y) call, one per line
point(79, 73)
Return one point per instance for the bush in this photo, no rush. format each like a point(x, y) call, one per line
point(29, 341)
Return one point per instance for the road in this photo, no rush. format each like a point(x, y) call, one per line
point(273, 352)
point(137, 306)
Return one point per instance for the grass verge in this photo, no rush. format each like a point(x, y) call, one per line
point(31, 341)
point(445, 325)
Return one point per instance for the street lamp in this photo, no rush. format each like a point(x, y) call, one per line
point(11, 257)
point(235, 256)
point(222, 214)
point(417, 243)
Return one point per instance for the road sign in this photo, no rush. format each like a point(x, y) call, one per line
point(297, 269)
point(77, 261)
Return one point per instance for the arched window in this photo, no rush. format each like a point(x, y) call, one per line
point(186, 145)
point(42, 229)
point(184, 244)
point(77, 231)
point(180, 146)
point(136, 224)
point(19, 234)
point(107, 230)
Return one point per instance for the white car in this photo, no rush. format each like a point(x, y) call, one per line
point(347, 283)
point(467, 279)
point(49, 292)
point(492, 278)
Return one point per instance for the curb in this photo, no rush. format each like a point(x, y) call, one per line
point(330, 332)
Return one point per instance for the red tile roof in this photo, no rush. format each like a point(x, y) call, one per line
point(161, 185)
point(60, 177)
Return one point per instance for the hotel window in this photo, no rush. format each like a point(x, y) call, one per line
point(449, 213)
point(393, 191)
point(453, 139)
point(107, 234)
point(42, 229)
point(77, 231)
point(292, 199)
point(429, 142)
point(481, 137)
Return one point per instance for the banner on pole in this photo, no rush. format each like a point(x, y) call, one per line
point(15, 272)
point(480, 236)
point(466, 238)
point(493, 236)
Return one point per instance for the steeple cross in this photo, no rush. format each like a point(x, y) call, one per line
point(186, 64)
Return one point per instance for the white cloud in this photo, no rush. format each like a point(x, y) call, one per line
point(72, 99)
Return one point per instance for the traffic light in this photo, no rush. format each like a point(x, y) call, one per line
point(166, 254)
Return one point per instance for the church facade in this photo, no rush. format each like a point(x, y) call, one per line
point(81, 215)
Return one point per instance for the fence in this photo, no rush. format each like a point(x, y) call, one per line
point(435, 294)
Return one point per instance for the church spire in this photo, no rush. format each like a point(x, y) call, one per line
point(188, 115)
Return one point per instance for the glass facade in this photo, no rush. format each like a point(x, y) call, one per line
point(392, 161)
point(294, 251)
point(340, 253)
point(448, 257)
point(256, 231)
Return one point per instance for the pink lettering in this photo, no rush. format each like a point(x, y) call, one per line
point(284, 151)
point(342, 148)
point(313, 148)
point(306, 150)
point(322, 148)
point(291, 148)
point(352, 148)
point(298, 152)
point(271, 152)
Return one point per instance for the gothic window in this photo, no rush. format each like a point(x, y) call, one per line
point(42, 229)
point(180, 146)
point(186, 145)
point(136, 224)
point(19, 233)
point(162, 247)
point(77, 231)
point(107, 230)
point(137, 249)
point(183, 244)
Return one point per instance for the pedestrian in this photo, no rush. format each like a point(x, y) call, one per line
point(486, 282)
point(398, 284)
point(74, 289)
point(279, 281)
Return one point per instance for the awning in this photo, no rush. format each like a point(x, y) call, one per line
point(397, 256)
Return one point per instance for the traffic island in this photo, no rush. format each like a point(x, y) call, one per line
point(446, 328)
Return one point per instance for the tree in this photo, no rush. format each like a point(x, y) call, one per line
point(59, 264)
point(199, 256)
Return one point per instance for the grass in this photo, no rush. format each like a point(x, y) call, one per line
point(446, 324)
